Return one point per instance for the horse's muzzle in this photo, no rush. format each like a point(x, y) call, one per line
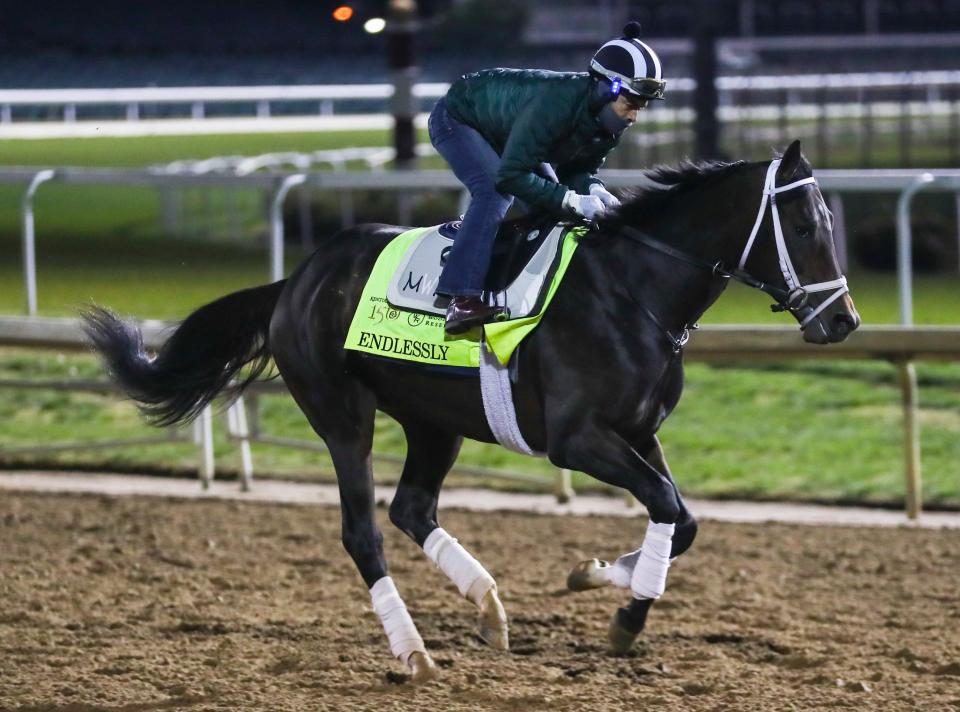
point(842, 325)
point(833, 330)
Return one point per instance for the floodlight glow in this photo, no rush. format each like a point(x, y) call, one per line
point(343, 13)
point(374, 25)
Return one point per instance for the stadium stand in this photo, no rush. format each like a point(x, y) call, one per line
point(183, 42)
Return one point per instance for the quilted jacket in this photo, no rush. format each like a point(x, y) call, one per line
point(531, 117)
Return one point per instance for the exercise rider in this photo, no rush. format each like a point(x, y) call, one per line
point(504, 131)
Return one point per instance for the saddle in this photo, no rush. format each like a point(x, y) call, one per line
point(398, 315)
point(525, 257)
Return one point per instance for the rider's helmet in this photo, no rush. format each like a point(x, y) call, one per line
point(628, 65)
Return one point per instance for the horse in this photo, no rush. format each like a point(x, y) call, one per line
point(596, 378)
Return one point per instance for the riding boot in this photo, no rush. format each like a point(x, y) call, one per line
point(464, 313)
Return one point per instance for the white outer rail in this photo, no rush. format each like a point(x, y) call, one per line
point(432, 90)
point(906, 182)
point(209, 94)
point(733, 90)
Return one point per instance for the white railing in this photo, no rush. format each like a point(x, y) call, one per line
point(905, 182)
point(131, 100)
point(433, 90)
point(372, 157)
point(198, 97)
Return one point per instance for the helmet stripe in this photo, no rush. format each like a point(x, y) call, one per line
point(639, 61)
point(616, 59)
point(652, 59)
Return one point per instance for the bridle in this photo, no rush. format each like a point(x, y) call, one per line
point(797, 294)
point(795, 298)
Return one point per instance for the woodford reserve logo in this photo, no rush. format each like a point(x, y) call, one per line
point(404, 347)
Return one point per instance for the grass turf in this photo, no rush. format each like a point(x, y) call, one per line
point(140, 151)
point(804, 430)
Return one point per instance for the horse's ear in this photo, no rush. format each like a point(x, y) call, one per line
point(790, 162)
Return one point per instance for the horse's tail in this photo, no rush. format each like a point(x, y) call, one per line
point(197, 361)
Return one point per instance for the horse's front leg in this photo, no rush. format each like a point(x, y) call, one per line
point(644, 570)
point(597, 573)
point(630, 620)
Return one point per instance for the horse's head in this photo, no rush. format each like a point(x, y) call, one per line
point(795, 248)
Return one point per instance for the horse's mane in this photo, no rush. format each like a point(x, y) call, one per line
point(641, 205)
point(667, 184)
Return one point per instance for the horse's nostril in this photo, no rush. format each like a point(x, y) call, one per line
point(844, 323)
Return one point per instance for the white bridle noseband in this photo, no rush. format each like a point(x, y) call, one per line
point(798, 293)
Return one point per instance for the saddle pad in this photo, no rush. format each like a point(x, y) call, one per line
point(383, 329)
point(416, 277)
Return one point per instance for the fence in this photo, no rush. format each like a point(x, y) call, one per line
point(895, 345)
point(278, 185)
point(757, 107)
point(931, 86)
point(898, 345)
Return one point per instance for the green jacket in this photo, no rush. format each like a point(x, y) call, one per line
point(531, 117)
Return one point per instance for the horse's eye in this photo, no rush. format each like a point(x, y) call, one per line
point(804, 232)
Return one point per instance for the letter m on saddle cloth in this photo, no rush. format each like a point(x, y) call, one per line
point(409, 285)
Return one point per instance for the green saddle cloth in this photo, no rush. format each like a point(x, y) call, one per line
point(382, 329)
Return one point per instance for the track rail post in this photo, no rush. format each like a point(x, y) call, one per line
point(30, 240)
point(203, 436)
point(238, 430)
point(276, 223)
point(905, 246)
point(564, 487)
point(911, 437)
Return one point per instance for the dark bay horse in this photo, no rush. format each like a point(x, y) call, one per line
point(596, 379)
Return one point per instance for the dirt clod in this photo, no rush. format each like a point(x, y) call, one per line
point(952, 669)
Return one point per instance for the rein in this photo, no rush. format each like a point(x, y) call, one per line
point(716, 268)
point(794, 298)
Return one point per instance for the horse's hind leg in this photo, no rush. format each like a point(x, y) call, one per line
point(342, 413)
point(430, 455)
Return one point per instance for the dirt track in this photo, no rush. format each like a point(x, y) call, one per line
point(143, 604)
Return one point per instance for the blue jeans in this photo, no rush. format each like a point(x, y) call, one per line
point(475, 163)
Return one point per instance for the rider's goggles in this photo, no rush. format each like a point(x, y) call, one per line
point(646, 87)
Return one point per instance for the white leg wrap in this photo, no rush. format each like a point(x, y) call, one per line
point(650, 574)
point(401, 632)
point(472, 580)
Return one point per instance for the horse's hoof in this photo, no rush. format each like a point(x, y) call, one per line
point(588, 575)
point(621, 634)
point(422, 668)
point(492, 621)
